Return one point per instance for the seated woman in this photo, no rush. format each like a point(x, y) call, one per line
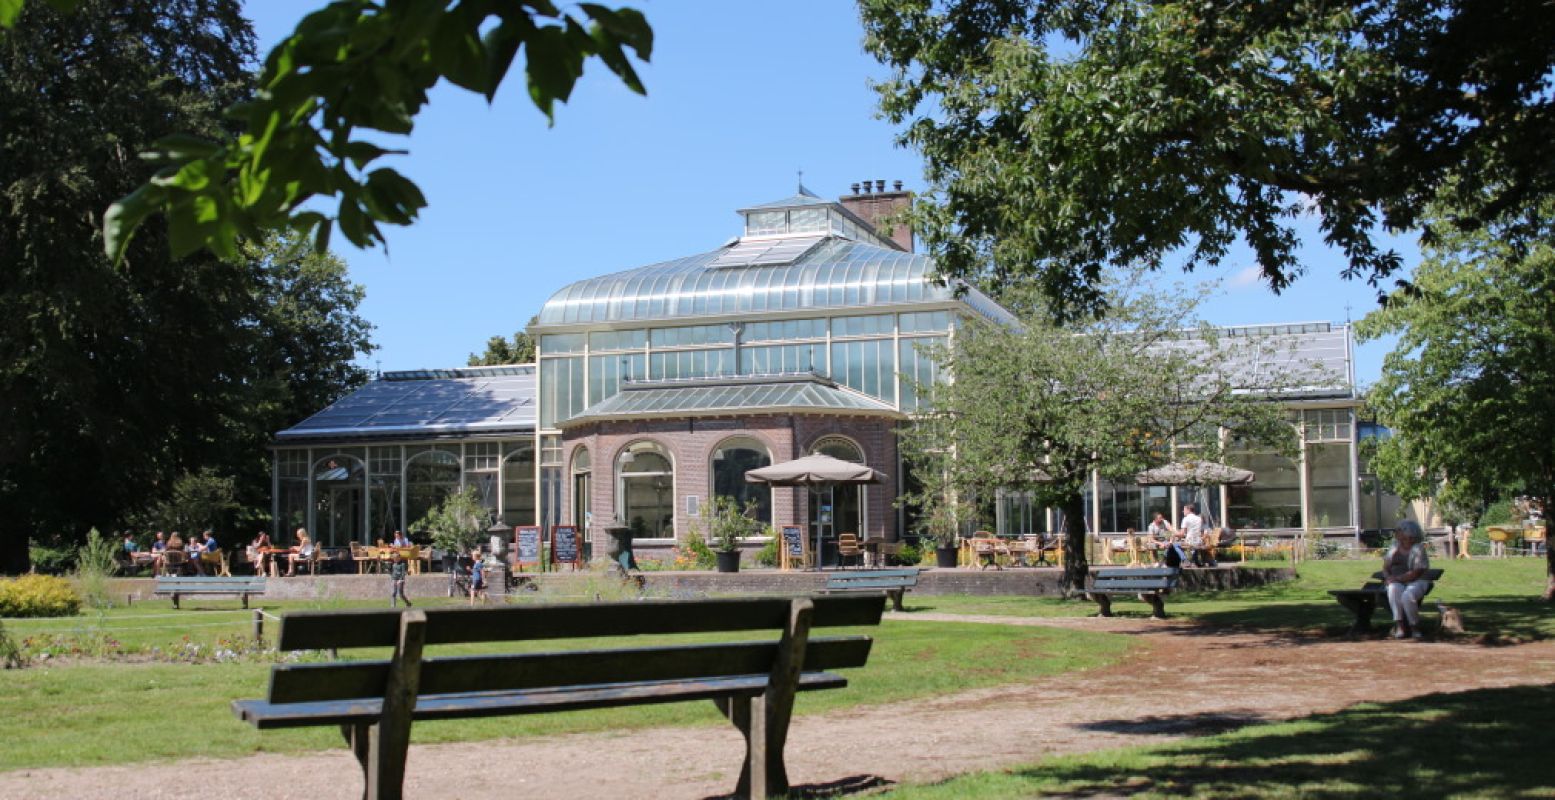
point(1403, 570)
point(401, 540)
point(302, 552)
point(256, 553)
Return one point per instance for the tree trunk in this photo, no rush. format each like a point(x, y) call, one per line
point(1076, 567)
point(1549, 552)
point(14, 558)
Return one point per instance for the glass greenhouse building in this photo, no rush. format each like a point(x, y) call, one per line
point(656, 389)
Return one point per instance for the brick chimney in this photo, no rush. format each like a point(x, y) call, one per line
point(873, 206)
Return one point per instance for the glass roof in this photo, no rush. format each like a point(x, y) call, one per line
point(765, 252)
point(479, 400)
point(1312, 358)
point(835, 274)
point(724, 395)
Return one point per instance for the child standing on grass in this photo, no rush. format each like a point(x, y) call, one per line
point(477, 576)
point(397, 580)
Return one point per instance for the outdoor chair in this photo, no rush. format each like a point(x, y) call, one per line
point(363, 557)
point(174, 561)
point(848, 547)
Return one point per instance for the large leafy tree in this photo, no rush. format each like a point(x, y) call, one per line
point(1036, 407)
point(1064, 136)
point(1468, 389)
point(115, 379)
point(518, 350)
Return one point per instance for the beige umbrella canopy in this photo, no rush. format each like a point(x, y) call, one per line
point(816, 472)
point(1195, 473)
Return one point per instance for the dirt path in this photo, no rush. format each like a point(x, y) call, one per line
point(1151, 697)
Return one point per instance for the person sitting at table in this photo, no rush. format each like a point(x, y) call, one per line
point(1403, 571)
point(256, 552)
point(130, 547)
point(301, 551)
point(194, 549)
point(210, 551)
point(158, 547)
point(401, 540)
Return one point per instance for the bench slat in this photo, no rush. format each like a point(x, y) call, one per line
point(318, 630)
point(200, 579)
point(876, 573)
point(294, 683)
point(1146, 572)
point(265, 715)
point(873, 583)
point(1131, 586)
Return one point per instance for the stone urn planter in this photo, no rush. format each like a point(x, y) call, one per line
point(618, 546)
point(945, 556)
point(728, 560)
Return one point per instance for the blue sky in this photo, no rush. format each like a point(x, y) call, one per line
point(741, 95)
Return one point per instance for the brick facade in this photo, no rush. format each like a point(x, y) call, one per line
point(690, 443)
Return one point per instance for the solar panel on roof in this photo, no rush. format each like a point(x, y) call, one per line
point(766, 252)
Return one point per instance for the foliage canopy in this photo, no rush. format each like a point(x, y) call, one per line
point(1063, 137)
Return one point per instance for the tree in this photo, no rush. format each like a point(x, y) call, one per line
point(1064, 136)
point(458, 522)
point(1467, 390)
point(115, 380)
point(499, 351)
point(1037, 407)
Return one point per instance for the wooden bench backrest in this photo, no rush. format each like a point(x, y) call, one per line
point(874, 579)
point(1430, 575)
point(293, 683)
point(209, 583)
point(1146, 572)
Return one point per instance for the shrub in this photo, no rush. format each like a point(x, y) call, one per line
point(50, 559)
point(696, 554)
point(11, 656)
point(767, 556)
point(95, 564)
point(909, 555)
point(38, 596)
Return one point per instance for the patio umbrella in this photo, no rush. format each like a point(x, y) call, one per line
point(1195, 473)
point(816, 472)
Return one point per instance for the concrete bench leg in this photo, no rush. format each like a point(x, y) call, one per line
point(896, 599)
point(1105, 602)
point(1157, 605)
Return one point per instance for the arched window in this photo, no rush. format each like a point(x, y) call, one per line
point(339, 499)
point(731, 460)
point(430, 476)
point(847, 515)
point(582, 488)
point(645, 490)
point(518, 484)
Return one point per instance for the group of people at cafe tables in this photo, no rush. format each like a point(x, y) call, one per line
point(203, 554)
point(1174, 545)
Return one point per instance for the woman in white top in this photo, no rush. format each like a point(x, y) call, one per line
point(1403, 570)
point(302, 552)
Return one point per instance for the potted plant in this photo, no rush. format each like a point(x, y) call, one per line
point(456, 524)
point(940, 528)
point(727, 524)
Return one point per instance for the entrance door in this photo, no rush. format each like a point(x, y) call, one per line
point(845, 513)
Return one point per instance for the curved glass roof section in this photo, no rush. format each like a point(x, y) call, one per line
point(835, 274)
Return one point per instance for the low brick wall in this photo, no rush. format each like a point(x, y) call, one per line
point(1039, 582)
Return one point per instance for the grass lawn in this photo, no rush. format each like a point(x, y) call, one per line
point(1485, 743)
point(79, 712)
point(1500, 596)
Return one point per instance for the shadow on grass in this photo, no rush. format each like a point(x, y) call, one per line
point(1486, 619)
point(1487, 743)
point(1202, 724)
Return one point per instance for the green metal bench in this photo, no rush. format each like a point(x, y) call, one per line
point(179, 586)
point(375, 701)
point(1151, 584)
point(894, 582)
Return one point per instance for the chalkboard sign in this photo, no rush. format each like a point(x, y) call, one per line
point(793, 546)
point(565, 547)
point(528, 545)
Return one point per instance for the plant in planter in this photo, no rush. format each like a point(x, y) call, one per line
point(727, 524)
point(456, 524)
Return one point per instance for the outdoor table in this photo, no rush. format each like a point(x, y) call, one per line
point(275, 570)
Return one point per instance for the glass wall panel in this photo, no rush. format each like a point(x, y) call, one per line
point(924, 322)
point(760, 222)
point(518, 487)
point(557, 343)
point(1018, 515)
point(1122, 507)
point(607, 372)
point(1328, 484)
point(691, 364)
point(293, 507)
point(339, 503)
point(802, 220)
point(1327, 424)
point(917, 368)
point(868, 366)
point(873, 325)
point(784, 330)
point(430, 476)
point(1273, 500)
point(561, 389)
point(782, 358)
point(730, 462)
point(384, 491)
point(618, 340)
point(691, 336)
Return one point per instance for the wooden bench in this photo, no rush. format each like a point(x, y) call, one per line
point(1151, 584)
point(177, 586)
point(375, 701)
point(894, 582)
point(1365, 600)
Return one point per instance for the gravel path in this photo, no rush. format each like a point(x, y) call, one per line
point(1247, 677)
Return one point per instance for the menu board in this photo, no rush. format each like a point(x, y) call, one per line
point(793, 551)
point(527, 543)
point(565, 547)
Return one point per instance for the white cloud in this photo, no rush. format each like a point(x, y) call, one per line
point(1244, 278)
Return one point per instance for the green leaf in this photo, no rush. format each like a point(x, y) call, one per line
point(125, 215)
point(393, 198)
point(550, 57)
point(627, 25)
point(502, 43)
point(361, 153)
point(183, 147)
point(457, 51)
point(9, 11)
